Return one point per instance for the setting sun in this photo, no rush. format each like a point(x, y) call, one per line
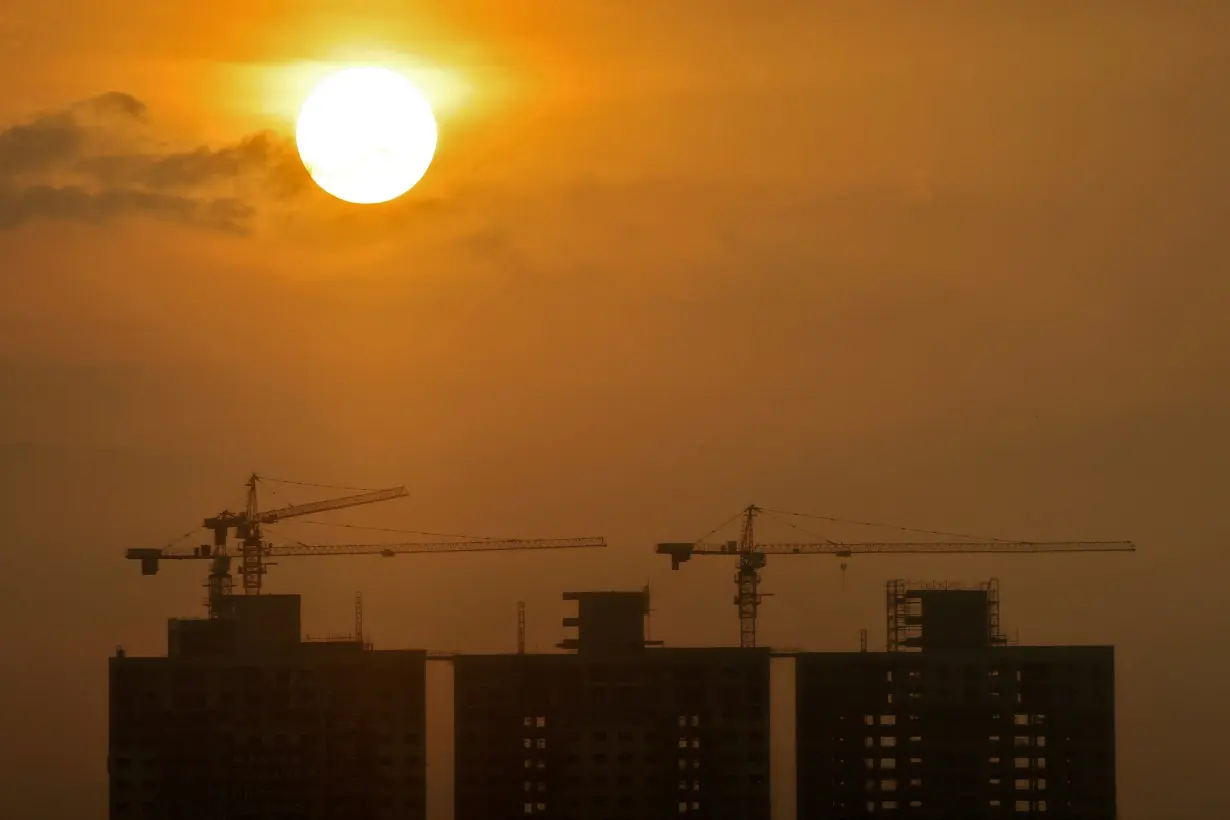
point(366, 135)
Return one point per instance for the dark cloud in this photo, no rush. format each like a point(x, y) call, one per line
point(92, 162)
point(262, 155)
point(22, 204)
point(62, 136)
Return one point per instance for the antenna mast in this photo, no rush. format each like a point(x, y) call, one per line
point(520, 627)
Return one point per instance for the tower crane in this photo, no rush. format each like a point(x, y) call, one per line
point(254, 549)
point(751, 557)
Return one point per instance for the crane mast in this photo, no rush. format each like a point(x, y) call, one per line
point(751, 558)
point(747, 579)
point(252, 548)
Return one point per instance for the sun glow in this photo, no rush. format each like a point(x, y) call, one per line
point(366, 135)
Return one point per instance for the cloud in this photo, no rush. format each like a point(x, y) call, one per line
point(98, 159)
point(260, 155)
point(18, 205)
point(62, 136)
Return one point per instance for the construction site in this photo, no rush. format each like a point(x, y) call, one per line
point(245, 719)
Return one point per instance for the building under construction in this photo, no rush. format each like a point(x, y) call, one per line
point(245, 721)
point(616, 729)
point(953, 722)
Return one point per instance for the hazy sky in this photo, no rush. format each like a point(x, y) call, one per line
point(946, 265)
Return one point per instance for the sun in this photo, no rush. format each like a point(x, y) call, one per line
point(366, 135)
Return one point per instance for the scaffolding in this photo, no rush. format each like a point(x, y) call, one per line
point(905, 616)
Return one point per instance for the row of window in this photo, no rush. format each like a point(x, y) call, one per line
point(626, 758)
point(627, 781)
point(947, 671)
point(602, 737)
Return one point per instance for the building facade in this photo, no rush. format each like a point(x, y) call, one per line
point(617, 730)
point(243, 720)
point(954, 723)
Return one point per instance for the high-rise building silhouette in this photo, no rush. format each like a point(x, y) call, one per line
point(619, 729)
point(243, 720)
point(954, 722)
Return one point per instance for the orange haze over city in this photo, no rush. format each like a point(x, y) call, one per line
point(956, 266)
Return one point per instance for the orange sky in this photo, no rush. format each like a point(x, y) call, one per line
point(960, 268)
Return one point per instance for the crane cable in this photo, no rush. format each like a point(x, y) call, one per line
point(725, 523)
point(399, 531)
point(317, 486)
point(834, 520)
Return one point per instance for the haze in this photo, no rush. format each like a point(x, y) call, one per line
point(946, 265)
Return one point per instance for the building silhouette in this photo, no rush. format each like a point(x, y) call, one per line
point(617, 729)
point(243, 720)
point(952, 722)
